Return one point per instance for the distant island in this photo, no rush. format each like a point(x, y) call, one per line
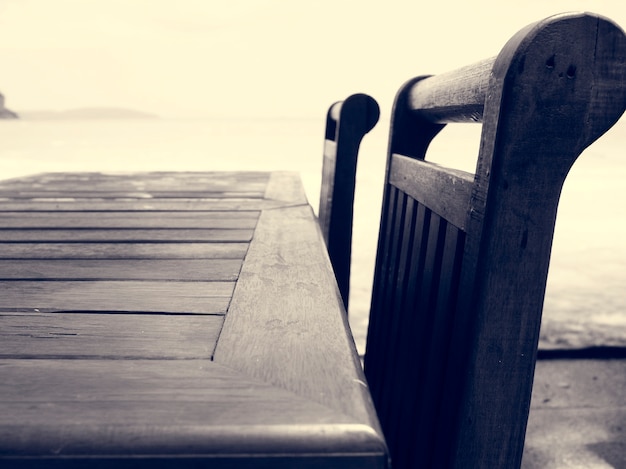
point(4, 112)
point(89, 113)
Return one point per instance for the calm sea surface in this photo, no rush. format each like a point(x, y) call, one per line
point(585, 302)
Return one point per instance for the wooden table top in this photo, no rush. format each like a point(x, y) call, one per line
point(170, 317)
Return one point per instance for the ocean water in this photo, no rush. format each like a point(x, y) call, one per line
point(585, 300)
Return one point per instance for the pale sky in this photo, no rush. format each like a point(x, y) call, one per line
point(276, 58)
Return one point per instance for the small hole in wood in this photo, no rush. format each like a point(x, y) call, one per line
point(550, 62)
point(571, 71)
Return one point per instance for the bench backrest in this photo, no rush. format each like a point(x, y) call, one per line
point(347, 122)
point(463, 258)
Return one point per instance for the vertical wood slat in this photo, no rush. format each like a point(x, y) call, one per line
point(421, 276)
point(376, 338)
point(411, 342)
point(407, 357)
point(400, 291)
point(393, 301)
point(435, 360)
point(422, 334)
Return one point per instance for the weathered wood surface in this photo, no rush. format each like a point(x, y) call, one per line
point(113, 302)
point(121, 269)
point(182, 410)
point(126, 250)
point(347, 122)
point(107, 336)
point(116, 295)
point(125, 235)
point(458, 292)
point(445, 191)
point(457, 96)
point(180, 220)
point(284, 285)
point(73, 204)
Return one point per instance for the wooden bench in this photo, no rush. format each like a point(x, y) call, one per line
point(347, 122)
point(463, 258)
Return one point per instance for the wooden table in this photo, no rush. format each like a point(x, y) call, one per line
point(170, 318)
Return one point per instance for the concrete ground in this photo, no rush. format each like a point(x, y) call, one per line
point(578, 415)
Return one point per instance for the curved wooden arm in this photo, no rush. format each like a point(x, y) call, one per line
point(347, 122)
point(459, 95)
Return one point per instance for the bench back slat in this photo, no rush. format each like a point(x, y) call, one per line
point(459, 282)
point(457, 96)
point(445, 191)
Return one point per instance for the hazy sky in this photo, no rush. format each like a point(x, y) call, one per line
point(193, 58)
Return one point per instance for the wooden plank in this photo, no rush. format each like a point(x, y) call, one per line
point(375, 362)
point(222, 219)
point(445, 191)
point(408, 341)
point(286, 322)
point(117, 205)
point(49, 193)
point(457, 96)
point(285, 188)
point(122, 250)
point(147, 408)
point(140, 296)
point(119, 336)
point(401, 306)
point(437, 333)
point(246, 180)
point(121, 269)
point(124, 235)
point(396, 241)
point(123, 408)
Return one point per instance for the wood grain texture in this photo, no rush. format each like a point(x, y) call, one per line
point(124, 235)
point(128, 250)
point(110, 312)
point(284, 188)
point(443, 190)
point(144, 408)
point(209, 180)
point(286, 324)
point(121, 269)
point(115, 295)
point(457, 96)
point(49, 193)
point(107, 336)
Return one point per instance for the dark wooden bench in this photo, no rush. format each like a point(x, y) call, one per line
point(463, 258)
point(347, 122)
